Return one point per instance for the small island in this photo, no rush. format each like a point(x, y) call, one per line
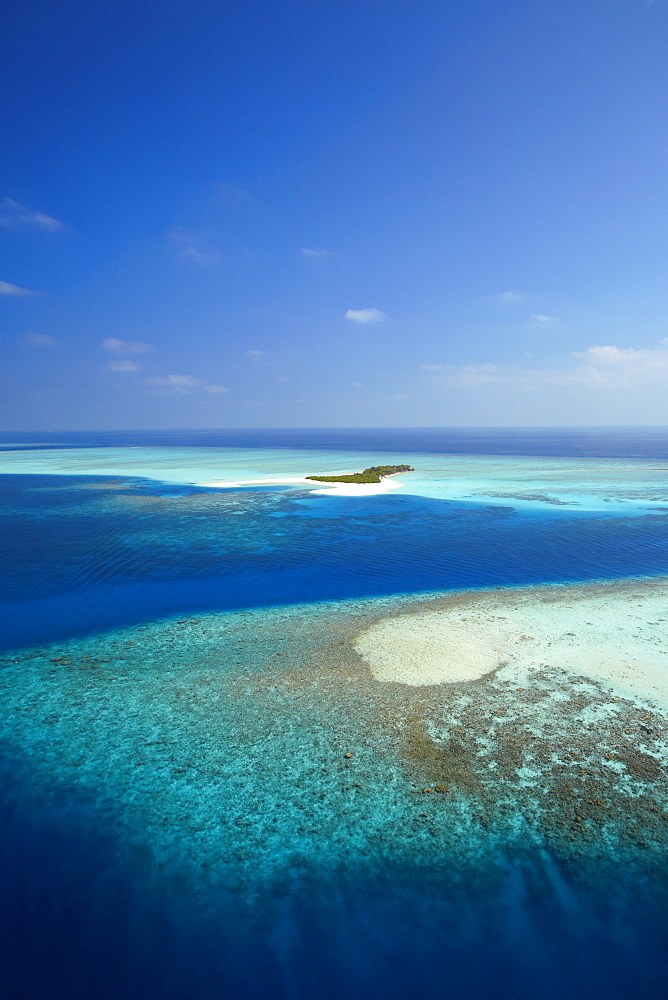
point(374, 474)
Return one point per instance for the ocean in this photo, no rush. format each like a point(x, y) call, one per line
point(207, 791)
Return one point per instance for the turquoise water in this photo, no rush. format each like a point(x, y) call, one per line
point(180, 814)
point(591, 484)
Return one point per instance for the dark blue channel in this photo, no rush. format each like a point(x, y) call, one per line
point(84, 554)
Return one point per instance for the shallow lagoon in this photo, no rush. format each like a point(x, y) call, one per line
point(592, 484)
point(180, 815)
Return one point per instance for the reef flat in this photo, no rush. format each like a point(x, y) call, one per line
point(613, 633)
point(242, 746)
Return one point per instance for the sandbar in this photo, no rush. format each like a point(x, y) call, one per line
point(615, 633)
point(232, 483)
point(331, 489)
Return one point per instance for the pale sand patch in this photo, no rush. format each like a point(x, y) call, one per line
point(359, 489)
point(329, 489)
point(232, 483)
point(615, 634)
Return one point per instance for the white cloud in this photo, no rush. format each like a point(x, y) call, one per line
point(123, 366)
point(192, 247)
point(398, 395)
point(600, 367)
point(540, 319)
point(611, 355)
point(365, 315)
point(182, 384)
point(40, 340)
point(6, 288)
point(16, 216)
point(125, 346)
point(433, 368)
point(195, 254)
point(175, 381)
point(611, 366)
point(508, 298)
point(255, 355)
point(308, 252)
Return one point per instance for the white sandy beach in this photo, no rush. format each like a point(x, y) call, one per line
point(329, 489)
point(616, 634)
point(235, 483)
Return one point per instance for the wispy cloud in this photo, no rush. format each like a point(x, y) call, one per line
point(175, 381)
point(196, 255)
point(540, 319)
point(365, 315)
point(16, 216)
point(192, 247)
point(40, 340)
point(6, 288)
point(255, 355)
point(182, 384)
point(125, 346)
point(464, 374)
point(308, 252)
point(612, 366)
point(509, 298)
point(123, 366)
point(599, 367)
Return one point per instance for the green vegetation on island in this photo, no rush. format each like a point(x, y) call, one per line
point(374, 474)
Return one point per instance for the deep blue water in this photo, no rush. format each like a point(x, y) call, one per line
point(80, 922)
point(86, 916)
point(79, 560)
point(590, 442)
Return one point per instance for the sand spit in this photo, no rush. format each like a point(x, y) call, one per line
point(235, 483)
point(614, 633)
point(331, 489)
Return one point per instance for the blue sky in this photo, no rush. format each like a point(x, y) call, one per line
point(333, 212)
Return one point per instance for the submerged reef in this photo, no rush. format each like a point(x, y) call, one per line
point(373, 474)
point(246, 746)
